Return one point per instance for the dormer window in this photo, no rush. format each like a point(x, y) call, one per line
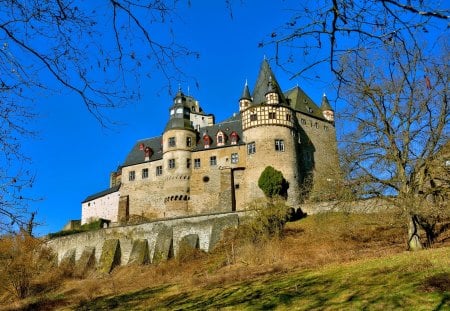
point(221, 138)
point(207, 141)
point(148, 153)
point(234, 137)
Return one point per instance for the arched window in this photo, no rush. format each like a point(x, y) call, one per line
point(221, 138)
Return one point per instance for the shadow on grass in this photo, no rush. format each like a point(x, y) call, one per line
point(128, 301)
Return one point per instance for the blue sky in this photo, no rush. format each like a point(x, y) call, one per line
point(73, 155)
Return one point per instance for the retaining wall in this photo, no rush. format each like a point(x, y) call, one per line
point(151, 241)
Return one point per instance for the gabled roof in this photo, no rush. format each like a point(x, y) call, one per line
point(262, 84)
point(136, 156)
point(101, 194)
point(301, 102)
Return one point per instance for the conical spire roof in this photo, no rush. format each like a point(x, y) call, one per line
point(262, 84)
point(246, 92)
point(325, 103)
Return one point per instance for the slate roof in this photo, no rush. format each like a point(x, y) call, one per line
point(101, 194)
point(262, 84)
point(232, 124)
point(325, 103)
point(301, 102)
point(136, 156)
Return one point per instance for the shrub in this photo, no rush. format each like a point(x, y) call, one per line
point(272, 183)
point(268, 221)
point(95, 225)
point(26, 265)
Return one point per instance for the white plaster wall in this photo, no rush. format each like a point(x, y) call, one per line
point(105, 207)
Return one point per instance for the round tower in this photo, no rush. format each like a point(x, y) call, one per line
point(269, 129)
point(179, 138)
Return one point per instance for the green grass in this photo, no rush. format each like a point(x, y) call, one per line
point(408, 281)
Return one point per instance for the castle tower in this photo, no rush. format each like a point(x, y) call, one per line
point(246, 100)
point(327, 111)
point(269, 129)
point(179, 138)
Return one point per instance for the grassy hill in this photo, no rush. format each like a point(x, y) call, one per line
point(332, 261)
point(408, 281)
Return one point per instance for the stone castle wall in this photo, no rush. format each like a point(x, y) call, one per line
point(161, 240)
point(145, 194)
point(285, 161)
point(318, 155)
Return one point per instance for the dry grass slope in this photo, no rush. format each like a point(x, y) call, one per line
point(330, 261)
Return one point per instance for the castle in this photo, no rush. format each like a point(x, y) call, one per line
point(198, 166)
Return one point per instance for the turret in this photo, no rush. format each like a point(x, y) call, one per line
point(179, 113)
point(272, 94)
point(179, 138)
point(327, 111)
point(245, 100)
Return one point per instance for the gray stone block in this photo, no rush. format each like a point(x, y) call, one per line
point(110, 256)
point(163, 244)
point(68, 258)
point(139, 253)
point(218, 227)
point(86, 261)
point(187, 244)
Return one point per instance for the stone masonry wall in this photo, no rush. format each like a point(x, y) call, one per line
point(157, 235)
point(318, 153)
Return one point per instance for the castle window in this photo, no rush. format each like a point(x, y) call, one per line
point(316, 125)
point(147, 153)
point(159, 170)
point(131, 176)
point(172, 142)
point(279, 145)
point(272, 115)
point(303, 121)
point(188, 163)
point(213, 161)
point(206, 141)
point(251, 148)
point(288, 117)
point(171, 163)
point(253, 117)
point(325, 128)
point(144, 173)
point(188, 141)
point(196, 163)
point(234, 158)
point(220, 138)
point(234, 138)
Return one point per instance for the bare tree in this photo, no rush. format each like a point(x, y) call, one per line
point(98, 50)
point(322, 32)
point(398, 125)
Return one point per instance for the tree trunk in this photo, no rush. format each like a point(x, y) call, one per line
point(413, 233)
